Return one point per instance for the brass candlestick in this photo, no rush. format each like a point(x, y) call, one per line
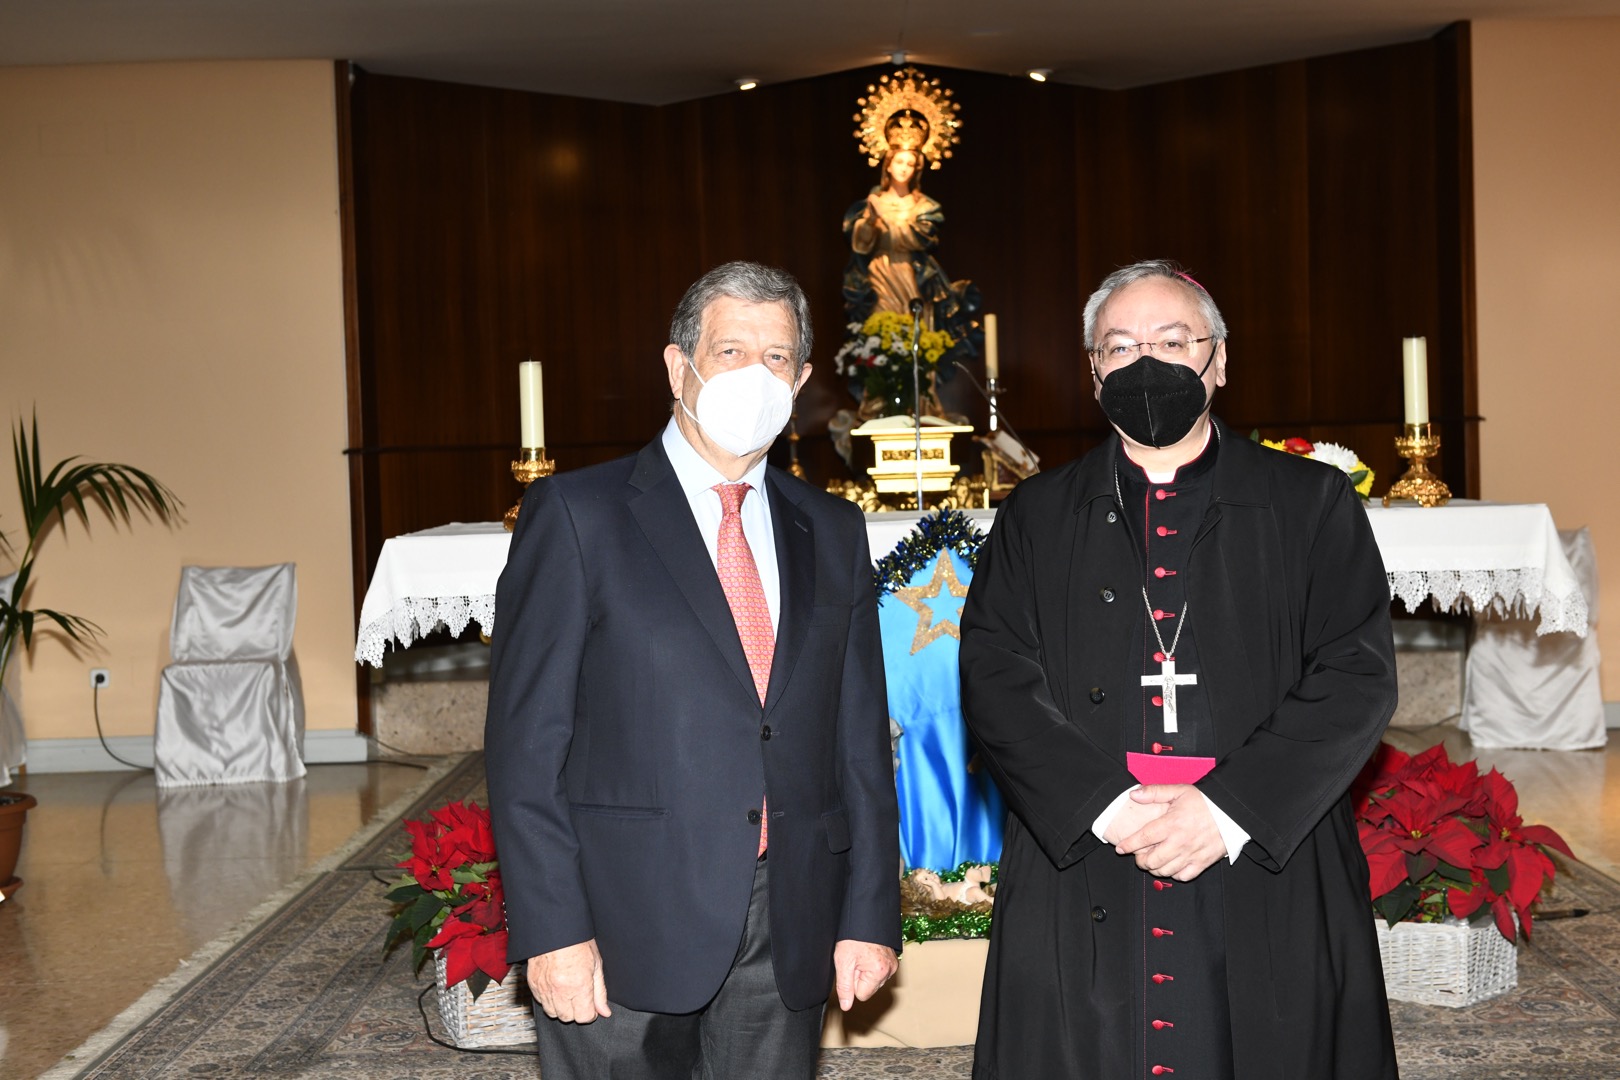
point(1417, 445)
point(530, 466)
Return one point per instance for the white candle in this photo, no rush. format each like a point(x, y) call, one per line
point(992, 350)
point(1415, 367)
point(531, 405)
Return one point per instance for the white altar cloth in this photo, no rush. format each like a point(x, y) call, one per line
point(1486, 557)
point(1497, 558)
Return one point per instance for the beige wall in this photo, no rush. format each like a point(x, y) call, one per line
point(171, 297)
point(1547, 193)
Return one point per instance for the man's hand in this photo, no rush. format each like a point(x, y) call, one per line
point(1183, 842)
point(1130, 817)
point(861, 968)
point(568, 983)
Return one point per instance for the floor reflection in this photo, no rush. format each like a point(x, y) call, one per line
point(227, 847)
point(123, 881)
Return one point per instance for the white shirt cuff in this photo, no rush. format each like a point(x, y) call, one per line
point(1232, 833)
point(1106, 818)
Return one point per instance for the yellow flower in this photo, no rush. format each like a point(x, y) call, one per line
point(893, 331)
point(1364, 489)
point(1275, 444)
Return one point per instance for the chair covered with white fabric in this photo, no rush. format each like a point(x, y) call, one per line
point(1538, 692)
point(230, 707)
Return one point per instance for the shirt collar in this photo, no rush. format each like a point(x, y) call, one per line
point(695, 474)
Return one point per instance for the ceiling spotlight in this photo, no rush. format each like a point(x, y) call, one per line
point(898, 57)
point(1040, 74)
point(747, 84)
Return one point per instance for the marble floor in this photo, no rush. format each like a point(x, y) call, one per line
point(123, 882)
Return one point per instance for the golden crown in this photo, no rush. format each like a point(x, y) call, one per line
point(908, 111)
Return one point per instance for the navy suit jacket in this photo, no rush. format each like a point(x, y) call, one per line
point(626, 745)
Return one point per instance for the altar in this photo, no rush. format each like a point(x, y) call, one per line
point(1473, 556)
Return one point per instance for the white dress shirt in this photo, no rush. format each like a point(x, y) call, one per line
point(697, 478)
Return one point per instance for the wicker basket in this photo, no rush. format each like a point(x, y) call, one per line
point(501, 1016)
point(1446, 963)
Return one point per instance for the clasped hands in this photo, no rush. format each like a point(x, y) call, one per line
point(568, 983)
point(1169, 829)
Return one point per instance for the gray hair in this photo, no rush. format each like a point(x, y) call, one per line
point(753, 284)
point(1152, 268)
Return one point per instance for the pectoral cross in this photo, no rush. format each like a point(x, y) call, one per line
point(1167, 680)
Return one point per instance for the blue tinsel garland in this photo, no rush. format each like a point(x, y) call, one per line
point(944, 529)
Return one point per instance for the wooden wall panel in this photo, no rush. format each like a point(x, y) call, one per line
point(1325, 203)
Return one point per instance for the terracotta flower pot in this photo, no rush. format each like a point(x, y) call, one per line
point(14, 807)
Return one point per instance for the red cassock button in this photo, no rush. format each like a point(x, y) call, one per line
point(1162, 531)
point(1158, 658)
point(1162, 885)
point(1159, 931)
point(1162, 748)
point(1157, 700)
point(1162, 1070)
point(1162, 494)
point(1161, 979)
point(1160, 1025)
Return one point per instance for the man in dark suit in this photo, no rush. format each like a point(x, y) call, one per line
point(687, 739)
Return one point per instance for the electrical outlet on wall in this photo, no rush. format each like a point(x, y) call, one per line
point(99, 678)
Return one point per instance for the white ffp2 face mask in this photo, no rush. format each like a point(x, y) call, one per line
point(742, 410)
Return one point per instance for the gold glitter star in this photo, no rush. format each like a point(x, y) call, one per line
point(943, 585)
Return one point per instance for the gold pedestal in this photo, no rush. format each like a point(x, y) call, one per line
point(529, 467)
point(1417, 445)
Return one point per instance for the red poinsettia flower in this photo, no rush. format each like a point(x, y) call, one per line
point(468, 948)
point(487, 910)
point(465, 918)
point(432, 860)
point(467, 829)
point(1439, 838)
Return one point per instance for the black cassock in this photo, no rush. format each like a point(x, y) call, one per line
point(1266, 968)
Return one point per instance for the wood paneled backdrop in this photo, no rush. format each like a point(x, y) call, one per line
point(1325, 203)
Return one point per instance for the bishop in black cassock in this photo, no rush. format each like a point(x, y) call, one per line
point(1233, 937)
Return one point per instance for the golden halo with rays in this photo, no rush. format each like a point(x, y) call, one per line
point(910, 106)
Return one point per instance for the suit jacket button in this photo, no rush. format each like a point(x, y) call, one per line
point(1099, 914)
point(1112, 517)
point(765, 733)
point(1097, 695)
point(753, 817)
point(1107, 595)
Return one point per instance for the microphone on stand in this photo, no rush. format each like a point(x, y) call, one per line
point(916, 392)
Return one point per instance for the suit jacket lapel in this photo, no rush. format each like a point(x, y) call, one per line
point(796, 567)
point(665, 517)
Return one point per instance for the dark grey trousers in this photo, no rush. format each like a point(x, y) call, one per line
point(745, 1033)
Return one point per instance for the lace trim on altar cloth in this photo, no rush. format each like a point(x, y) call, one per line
point(1504, 593)
point(417, 616)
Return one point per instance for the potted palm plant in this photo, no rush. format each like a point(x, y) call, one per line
point(50, 498)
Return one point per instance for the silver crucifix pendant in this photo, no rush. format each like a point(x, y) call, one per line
point(1167, 680)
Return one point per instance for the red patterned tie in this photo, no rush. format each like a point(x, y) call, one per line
point(739, 577)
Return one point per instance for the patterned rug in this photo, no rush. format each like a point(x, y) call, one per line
point(308, 993)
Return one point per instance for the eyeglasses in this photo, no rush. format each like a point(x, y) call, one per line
point(1117, 350)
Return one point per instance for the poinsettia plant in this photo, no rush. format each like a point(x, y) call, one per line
point(1442, 839)
point(451, 898)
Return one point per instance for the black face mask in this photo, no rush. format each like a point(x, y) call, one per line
point(1153, 402)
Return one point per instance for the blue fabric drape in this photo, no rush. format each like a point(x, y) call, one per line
point(948, 814)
